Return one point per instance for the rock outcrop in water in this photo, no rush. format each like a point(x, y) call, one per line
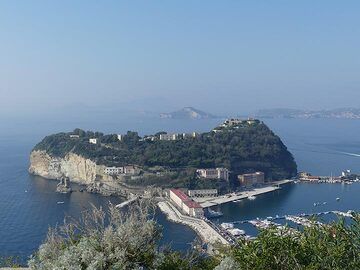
point(64, 185)
point(76, 169)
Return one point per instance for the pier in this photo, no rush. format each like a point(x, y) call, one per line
point(213, 201)
point(303, 215)
point(126, 203)
point(207, 231)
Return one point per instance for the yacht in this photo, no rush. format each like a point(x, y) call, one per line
point(214, 214)
point(236, 232)
point(252, 197)
point(227, 226)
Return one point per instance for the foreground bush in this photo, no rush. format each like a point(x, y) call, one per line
point(336, 246)
point(130, 241)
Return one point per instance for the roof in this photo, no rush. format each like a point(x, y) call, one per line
point(185, 199)
point(192, 204)
point(180, 194)
point(252, 174)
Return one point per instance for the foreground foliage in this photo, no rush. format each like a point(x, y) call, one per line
point(130, 241)
point(336, 246)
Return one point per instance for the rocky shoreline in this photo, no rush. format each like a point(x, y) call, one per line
point(75, 169)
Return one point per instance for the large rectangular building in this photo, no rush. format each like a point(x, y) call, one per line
point(114, 170)
point(182, 201)
point(251, 179)
point(202, 193)
point(213, 173)
point(168, 137)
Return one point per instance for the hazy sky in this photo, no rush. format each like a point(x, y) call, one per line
point(219, 56)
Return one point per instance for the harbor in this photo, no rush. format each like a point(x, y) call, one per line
point(227, 233)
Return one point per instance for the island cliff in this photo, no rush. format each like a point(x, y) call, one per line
point(77, 168)
point(163, 160)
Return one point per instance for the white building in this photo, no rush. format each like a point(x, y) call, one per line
point(114, 170)
point(232, 122)
point(75, 136)
point(182, 201)
point(203, 193)
point(131, 170)
point(213, 173)
point(168, 137)
point(120, 137)
point(93, 140)
point(190, 135)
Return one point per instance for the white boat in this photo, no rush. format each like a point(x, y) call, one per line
point(227, 226)
point(60, 202)
point(236, 232)
point(338, 199)
point(252, 197)
point(214, 214)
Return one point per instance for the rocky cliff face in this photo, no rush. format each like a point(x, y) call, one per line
point(77, 168)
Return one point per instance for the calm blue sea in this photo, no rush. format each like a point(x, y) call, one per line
point(28, 204)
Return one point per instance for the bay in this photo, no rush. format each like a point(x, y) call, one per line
point(28, 204)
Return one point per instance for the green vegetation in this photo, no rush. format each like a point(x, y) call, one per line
point(244, 148)
point(130, 241)
point(336, 246)
point(12, 262)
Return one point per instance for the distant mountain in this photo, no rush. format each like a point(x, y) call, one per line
point(340, 113)
point(188, 113)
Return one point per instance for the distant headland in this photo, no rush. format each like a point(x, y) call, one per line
point(340, 113)
point(188, 113)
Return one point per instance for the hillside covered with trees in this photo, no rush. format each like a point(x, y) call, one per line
point(241, 149)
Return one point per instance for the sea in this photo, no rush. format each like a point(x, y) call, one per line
point(29, 204)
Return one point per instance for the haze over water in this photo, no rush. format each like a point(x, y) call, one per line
point(28, 204)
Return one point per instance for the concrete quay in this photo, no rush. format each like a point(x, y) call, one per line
point(207, 233)
point(212, 201)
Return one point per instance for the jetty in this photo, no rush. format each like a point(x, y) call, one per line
point(213, 201)
point(207, 231)
point(349, 213)
point(126, 203)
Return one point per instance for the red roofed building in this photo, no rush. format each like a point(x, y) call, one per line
point(182, 201)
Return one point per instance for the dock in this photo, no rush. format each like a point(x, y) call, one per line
point(213, 201)
point(126, 203)
point(207, 232)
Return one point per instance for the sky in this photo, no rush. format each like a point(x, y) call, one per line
point(218, 56)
